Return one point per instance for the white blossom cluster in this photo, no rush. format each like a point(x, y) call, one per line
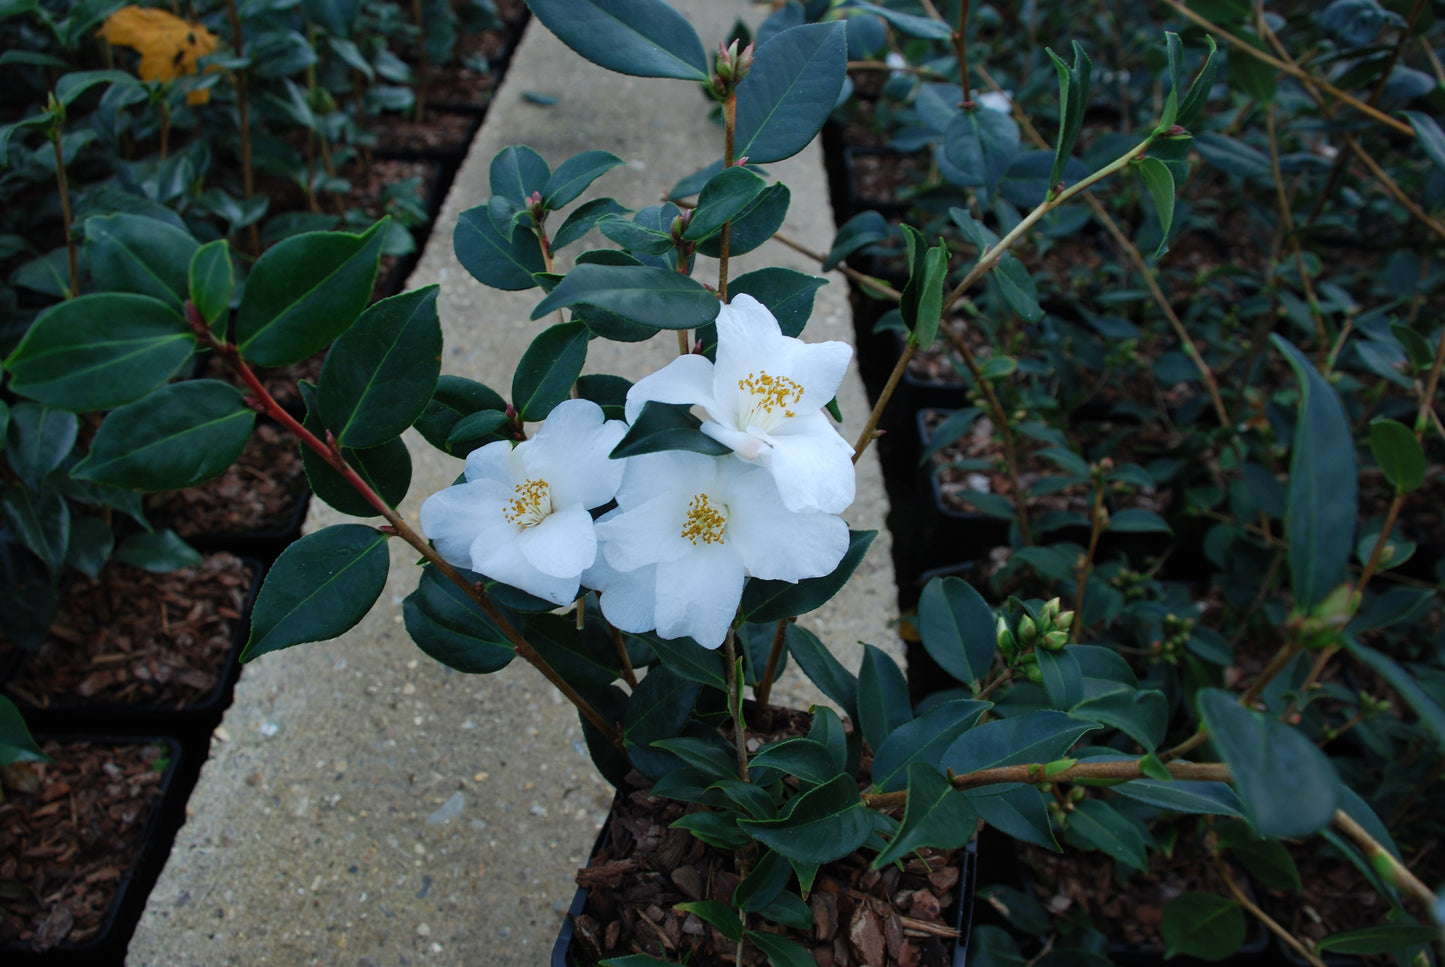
point(688, 528)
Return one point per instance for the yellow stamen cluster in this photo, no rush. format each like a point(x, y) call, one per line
point(532, 503)
point(704, 521)
point(772, 393)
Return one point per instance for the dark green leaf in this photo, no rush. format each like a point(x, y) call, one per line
point(936, 815)
point(455, 398)
point(666, 426)
point(448, 625)
point(862, 230)
point(99, 351)
point(1143, 715)
point(787, 294)
point(1380, 939)
point(37, 440)
point(583, 219)
point(957, 628)
point(499, 256)
point(821, 825)
point(882, 697)
point(1202, 925)
point(644, 38)
point(725, 196)
point(40, 522)
point(922, 741)
point(981, 143)
point(793, 85)
point(719, 914)
point(516, 172)
point(1040, 736)
point(548, 368)
point(689, 660)
point(386, 469)
point(133, 253)
point(319, 587)
point(16, 743)
point(1209, 798)
point(180, 435)
point(921, 304)
point(911, 24)
point(1398, 452)
point(658, 709)
point(1019, 812)
point(1073, 99)
point(574, 175)
point(1320, 517)
point(305, 291)
point(211, 280)
point(1429, 135)
point(382, 372)
point(1288, 785)
point(1431, 713)
point(802, 758)
point(1136, 520)
point(1101, 826)
point(644, 294)
point(1198, 95)
point(823, 670)
point(754, 225)
point(1160, 182)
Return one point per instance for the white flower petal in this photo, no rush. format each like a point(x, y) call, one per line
point(491, 462)
point(499, 556)
point(646, 534)
point(813, 466)
point(698, 595)
point(687, 379)
point(562, 545)
point(452, 518)
point(628, 598)
point(571, 453)
point(777, 544)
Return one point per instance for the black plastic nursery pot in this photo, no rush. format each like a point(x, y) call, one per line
point(42, 893)
point(572, 945)
point(189, 719)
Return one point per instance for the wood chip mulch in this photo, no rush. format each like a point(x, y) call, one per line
point(137, 638)
point(260, 493)
point(70, 831)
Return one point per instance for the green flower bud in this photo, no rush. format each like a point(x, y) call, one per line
point(1047, 612)
point(1028, 632)
point(1055, 640)
point(1034, 673)
point(1064, 621)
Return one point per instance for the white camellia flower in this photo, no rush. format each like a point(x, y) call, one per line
point(687, 530)
point(522, 516)
point(764, 400)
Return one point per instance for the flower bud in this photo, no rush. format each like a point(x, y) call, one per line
point(1064, 621)
point(1055, 640)
point(1028, 632)
point(1047, 612)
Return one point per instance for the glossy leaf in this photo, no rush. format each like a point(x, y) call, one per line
point(718, 914)
point(689, 660)
point(1429, 136)
point(1398, 452)
point(1197, 96)
point(882, 696)
point(793, 85)
point(936, 815)
point(781, 951)
point(1100, 825)
point(386, 469)
point(502, 257)
point(1288, 786)
point(1320, 516)
point(923, 741)
point(1202, 925)
point(645, 294)
point(37, 440)
point(1137, 520)
point(1427, 707)
point(776, 600)
point(181, 435)
point(548, 368)
point(448, 625)
point(921, 304)
point(16, 743)
point(211, 281)
point(1019, 812)
point(754, 225)
point(1073, 99)
point(858, 232)
point(100, 351)
point(583, 219)
point(1381, 938)
point(133, 253)
point(981, 143)
point(1040, 736)
point(802, 758)
point(319, 587)
point(666, 426)
point(957, 628)
point(381, 373)
point(305, 291)
point(910, 24)
point(574, 175)
point(1160, 182)
point(1208, 798)
point(821, 825)
point(644, 38)
point(516, 173)
point(726, 195)
point(1141, 714)
point(39, 522)
point(658, 709)
point(787, 294)
point(823, 670)
point(455, 398)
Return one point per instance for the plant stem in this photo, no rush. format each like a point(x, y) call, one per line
point(960, 47)
point(1381, 541)
point(764, 689)
point(1096, 529)
point(1382, 862)
point(1274, 927)
point(871, 427)
point(730, 127)
point(1034, 772)
point(628, 674)
point(330, 452)
point(62, 186)
point(735, 704)
point(243, 108)
point(1293, 70)
point(1277, 664)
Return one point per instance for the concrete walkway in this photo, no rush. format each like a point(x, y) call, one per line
point(365, 806)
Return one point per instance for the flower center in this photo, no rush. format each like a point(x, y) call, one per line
point(705, 523)
point(531, 503)
point(769, 399)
